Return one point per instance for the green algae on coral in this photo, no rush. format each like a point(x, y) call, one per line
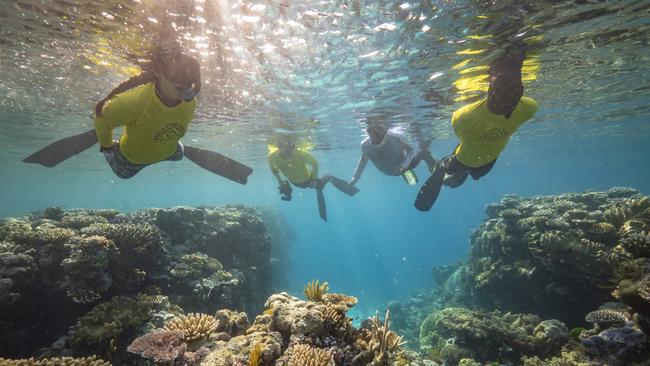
point(575, 333)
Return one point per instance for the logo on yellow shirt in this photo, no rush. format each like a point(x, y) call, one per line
point(493, 134)
point(172, 131)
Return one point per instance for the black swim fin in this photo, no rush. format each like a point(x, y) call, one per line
point(59, 151)
point(219, 164)
point(343, 186)
point(430, 190)
point(322, 209)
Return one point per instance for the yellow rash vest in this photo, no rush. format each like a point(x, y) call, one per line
point(484, 135)
point(299, 168)
point(151, 129)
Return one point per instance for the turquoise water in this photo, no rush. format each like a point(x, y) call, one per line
point(273, 66)
point(375, 245)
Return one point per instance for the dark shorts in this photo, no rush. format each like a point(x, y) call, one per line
point(125, 169)
point(453, 166)
point(320, 182)
point(306, 184)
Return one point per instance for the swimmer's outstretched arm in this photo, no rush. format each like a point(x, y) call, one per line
point(361, 166)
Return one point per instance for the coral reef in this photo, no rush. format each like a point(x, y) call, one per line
point(454, 333)
point(306, 355)
point(160, 347)
point(255, 357)
point(606, 318)
point(233, 235)
point(17, 270)
point(570, 356)
point(86, 268)
point(56, 361)
point(550, 246)
point(109, 327)
point(581, 258)
point(385, 345)
point(618, 346)
point(167, 348)
point(194, 327)
point(90, 266)
point(295, 332)
point(314, 290)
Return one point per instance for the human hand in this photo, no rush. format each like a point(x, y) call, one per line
point(285, 191)
point(113, 147)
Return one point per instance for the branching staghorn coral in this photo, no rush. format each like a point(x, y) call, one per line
point(335, 320)
point(57, 361)
point(130, 238)
point(385, 344)
point(81, 220)
point(314, 290)
point(195, 327)
point(15, 230)
point(50, 236)
point(306, 355)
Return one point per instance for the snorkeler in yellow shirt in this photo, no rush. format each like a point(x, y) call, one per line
point(483, 128)
point(155, 109)
point(300, 168)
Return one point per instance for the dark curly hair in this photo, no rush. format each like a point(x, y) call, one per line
point(156, 62)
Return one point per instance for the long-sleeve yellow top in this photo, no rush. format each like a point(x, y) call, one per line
point(151, 129)
point(299, 168)
point(482, 134)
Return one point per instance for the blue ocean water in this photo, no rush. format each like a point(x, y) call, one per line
point(375, 246)
point(591, 131)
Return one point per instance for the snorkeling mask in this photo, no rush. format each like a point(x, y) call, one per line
point(184, 69)
point(286, 145)
point(188, 93)
point(377, 133)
